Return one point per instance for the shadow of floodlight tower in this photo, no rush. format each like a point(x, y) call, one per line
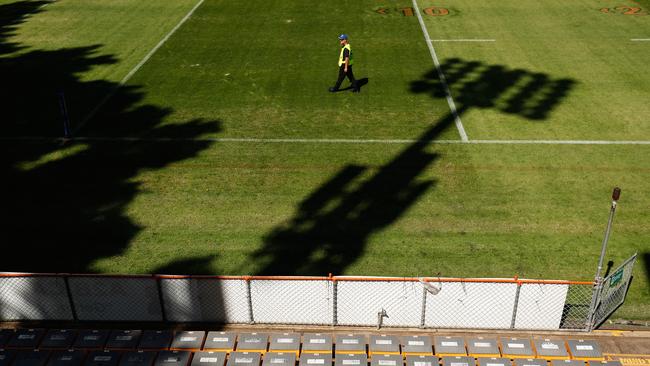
point(333, 224)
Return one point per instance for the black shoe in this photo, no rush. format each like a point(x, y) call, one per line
point(333, 90)
point(356, 90)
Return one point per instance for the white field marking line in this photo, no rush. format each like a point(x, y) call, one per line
point(463, 40)
point(640, 39)
point(560, 142)
point(441, 76)
point(46, 4)
point(328, 141)
point(136, 67)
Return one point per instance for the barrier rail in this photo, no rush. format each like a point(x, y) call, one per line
point(490, 303)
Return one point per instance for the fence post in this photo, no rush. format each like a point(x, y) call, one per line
point(251, 319)
point(73, 308)
point(161, 298)
point(334, 301)
point(516, 306)
point(424, 307)
point(595, 299)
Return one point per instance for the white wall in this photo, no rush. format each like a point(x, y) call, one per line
point(359, 302)
point(541, 306)
point(292, 302)
point(471, 305)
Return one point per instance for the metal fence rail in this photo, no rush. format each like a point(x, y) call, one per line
point(335, 300)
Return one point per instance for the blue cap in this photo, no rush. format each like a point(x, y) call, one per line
point(343, 36)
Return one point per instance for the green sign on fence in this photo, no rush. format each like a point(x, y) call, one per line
point(616, 278)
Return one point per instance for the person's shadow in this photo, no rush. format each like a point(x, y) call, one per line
point(360, 83)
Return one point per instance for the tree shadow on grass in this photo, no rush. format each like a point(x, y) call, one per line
point(66, 204)
point(332, 226)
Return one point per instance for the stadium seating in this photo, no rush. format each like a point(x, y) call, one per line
point(96, 347)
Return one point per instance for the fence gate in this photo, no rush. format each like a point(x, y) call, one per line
point(613, 291)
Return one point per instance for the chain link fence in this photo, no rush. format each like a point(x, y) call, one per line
point(359, 302)
point(459, 304)
point(354, 301)
point(205, 299)
point(612, 291)
point(553, 306)
point(103, 298)
point(306, 301)
point(34, 298)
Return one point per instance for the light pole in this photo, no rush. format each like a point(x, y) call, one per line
point(64, 114)
point(598, 280)
point(615, 196)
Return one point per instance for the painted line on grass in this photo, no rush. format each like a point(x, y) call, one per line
point(463, 40)
point(640, 39)
point(325, 141)
point(137, 67)
point(46, 4)
point(441, 76)
point(560, 142)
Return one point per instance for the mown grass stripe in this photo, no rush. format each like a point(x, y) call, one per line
point(328, 141)
point(441, 75)
point(463, 40)
point(137, 67)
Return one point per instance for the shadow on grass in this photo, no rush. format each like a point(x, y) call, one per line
point(66, 204)
point(360, 84)
point(610, 264)
point(332, 226)
point(645, 257)
point(190, 266)
point(531, 95)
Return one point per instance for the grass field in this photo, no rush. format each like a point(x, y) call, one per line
point(265, 172)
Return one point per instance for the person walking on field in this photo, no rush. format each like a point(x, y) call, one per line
point(345, 65)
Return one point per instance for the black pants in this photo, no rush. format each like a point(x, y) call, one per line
point(343, 74)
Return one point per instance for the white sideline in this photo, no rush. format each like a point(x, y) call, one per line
point(328, 141)
point(463, 40)
point(136, 68)
point(640, 39)
point(441, 76)
point(560, 142)
point(46, 4)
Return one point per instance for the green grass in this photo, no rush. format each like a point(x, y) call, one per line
point(565, 40)
point(558, 70)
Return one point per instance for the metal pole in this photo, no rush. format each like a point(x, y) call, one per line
point(424, 307)
point(615, 196)
point(594, 305)
point(64, 114)
point(514, 309)
point(161, 298)
point(334, 296)
point(73, 308)
point(250, 301)
point(598, 280)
